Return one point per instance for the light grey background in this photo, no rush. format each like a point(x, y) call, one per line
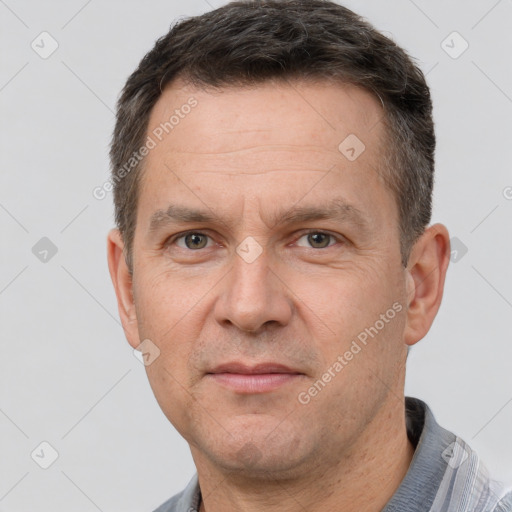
point(67, 375)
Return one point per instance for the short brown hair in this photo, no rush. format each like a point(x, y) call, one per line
point(252, 41)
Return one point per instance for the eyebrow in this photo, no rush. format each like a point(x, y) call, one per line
point(178, 214)
point(336, 209)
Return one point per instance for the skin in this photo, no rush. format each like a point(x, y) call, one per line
point(246, 155)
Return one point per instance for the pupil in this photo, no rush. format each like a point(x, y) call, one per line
point(195, 241)
point(318, 240)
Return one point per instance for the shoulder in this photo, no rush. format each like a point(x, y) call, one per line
point(467, 483)
point(170, 504)
point(464, 480)
point(505, 503)
point(185, 501)
point(445, 473)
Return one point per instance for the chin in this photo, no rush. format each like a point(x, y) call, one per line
point(255, 453)
point(251, 462)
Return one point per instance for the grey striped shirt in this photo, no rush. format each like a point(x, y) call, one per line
point(445, 474)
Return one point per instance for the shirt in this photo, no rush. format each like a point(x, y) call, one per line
point(445, 474)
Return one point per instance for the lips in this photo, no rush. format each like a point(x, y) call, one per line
point(259, 369)
point(252, 379)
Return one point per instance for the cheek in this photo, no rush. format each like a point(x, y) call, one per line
point(164, 300)
point(170, 390)
point(346, 304)
point(172, 320)
point(344, 295)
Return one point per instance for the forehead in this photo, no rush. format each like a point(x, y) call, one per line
point(275, 139)
point(320, 113)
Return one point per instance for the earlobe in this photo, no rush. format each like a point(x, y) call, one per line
point(426, 273)
point(123, 286)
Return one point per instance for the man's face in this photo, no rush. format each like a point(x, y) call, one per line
point(272, 252)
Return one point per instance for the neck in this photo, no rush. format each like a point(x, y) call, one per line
point(363, 479)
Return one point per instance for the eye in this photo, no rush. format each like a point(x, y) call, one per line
point(316, 239)
point(193, 241)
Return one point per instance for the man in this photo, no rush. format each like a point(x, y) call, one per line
point(273, 168)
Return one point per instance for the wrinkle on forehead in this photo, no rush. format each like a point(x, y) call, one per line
point(262, 148)
point(256, 160)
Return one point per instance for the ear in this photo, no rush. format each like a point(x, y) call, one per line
point(123, 286)
point(426, 272)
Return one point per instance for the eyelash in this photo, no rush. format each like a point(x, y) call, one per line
point(180, 236)
point(337, 239)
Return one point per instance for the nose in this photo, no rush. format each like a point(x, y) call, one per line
point(253, 297)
